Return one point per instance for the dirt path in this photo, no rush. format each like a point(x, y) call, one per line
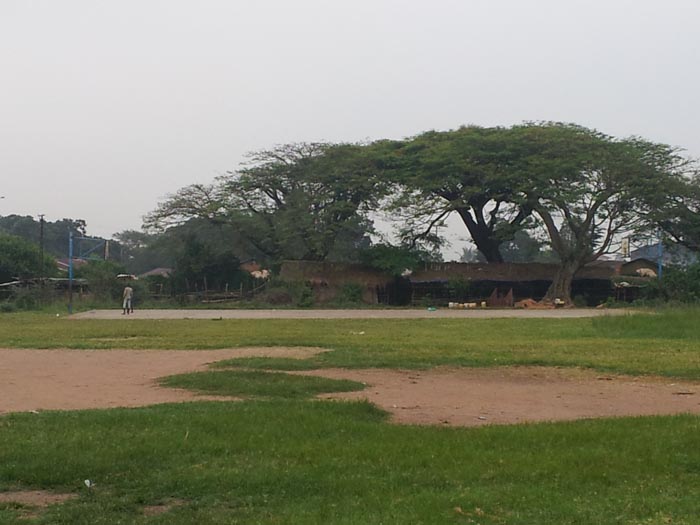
point(81, 379)
point(350, 314)
point(473, 397)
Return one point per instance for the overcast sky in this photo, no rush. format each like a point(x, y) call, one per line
point(108, 106)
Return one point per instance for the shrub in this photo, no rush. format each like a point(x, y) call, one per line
point(287, 292)
point(7, 307)
point(350, 293)
point(461, 288)
point(678, 284)
point(102, 279)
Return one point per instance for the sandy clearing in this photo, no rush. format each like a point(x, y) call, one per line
point(442, 313)
point(80, 379)
point(474, 397)
point(63, 379)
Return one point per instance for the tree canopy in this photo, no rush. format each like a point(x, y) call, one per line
point(471, 171)
point(21, 259)
point(588, 188)
point(297, 201)
point(55, 232)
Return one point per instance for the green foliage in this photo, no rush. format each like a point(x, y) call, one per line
point(524, 248)
point(350, 293)
point(7, 307)
point(199, 267)
point(306, 297)
point(20, 259)
point(469, 171)
point(55, 233)
point(393, 259)
point(102, 279)
point(586, 188)
point(27, 298)
point(141, 252)
point(678, 285)
point(297, 201)
point(461, 288)
point(673, 203)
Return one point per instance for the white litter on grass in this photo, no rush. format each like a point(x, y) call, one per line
point(89, 483)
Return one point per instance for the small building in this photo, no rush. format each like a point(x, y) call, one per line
point(595, 282)
point(327, 279)
point(498, 283)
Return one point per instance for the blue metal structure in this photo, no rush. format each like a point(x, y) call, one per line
point(88, 254)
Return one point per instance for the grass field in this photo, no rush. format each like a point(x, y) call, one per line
point(282, 457)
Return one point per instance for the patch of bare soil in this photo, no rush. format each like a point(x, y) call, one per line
point(34, 498)
point(32, 380)
point(162, 508)
point(33, 502)
point(474, 397)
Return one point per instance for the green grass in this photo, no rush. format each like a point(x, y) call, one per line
point(280, 458)
point(666, 343)
point(256, 383)
point(327, 462)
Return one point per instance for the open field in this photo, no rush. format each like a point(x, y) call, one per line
point(282, 457)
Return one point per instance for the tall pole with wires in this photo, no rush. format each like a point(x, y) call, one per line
point(41, 248)
point(70, 272)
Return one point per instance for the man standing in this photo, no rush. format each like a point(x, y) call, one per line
point(127, 297)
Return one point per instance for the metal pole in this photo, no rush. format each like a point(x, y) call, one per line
point(660, 257)
point(70, 272)
point(41, 247)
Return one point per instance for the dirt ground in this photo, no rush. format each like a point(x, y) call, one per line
point(80, 379)
point(34, 380)
point(423, 313)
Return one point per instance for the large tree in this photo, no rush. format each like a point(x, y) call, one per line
point(676, 208)
point(587, 188)
point(21, 259)
point(297, 201)
point(471, 171)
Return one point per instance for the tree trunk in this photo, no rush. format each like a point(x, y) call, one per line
point(482, 237)
point(560, 289)
point(489, 248)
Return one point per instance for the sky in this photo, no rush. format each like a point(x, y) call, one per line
point(106, 107)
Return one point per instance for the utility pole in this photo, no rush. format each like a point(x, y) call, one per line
point(41, 248)
point(70, 271)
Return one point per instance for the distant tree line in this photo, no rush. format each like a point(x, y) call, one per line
point(532, 192)
point(55, 233)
